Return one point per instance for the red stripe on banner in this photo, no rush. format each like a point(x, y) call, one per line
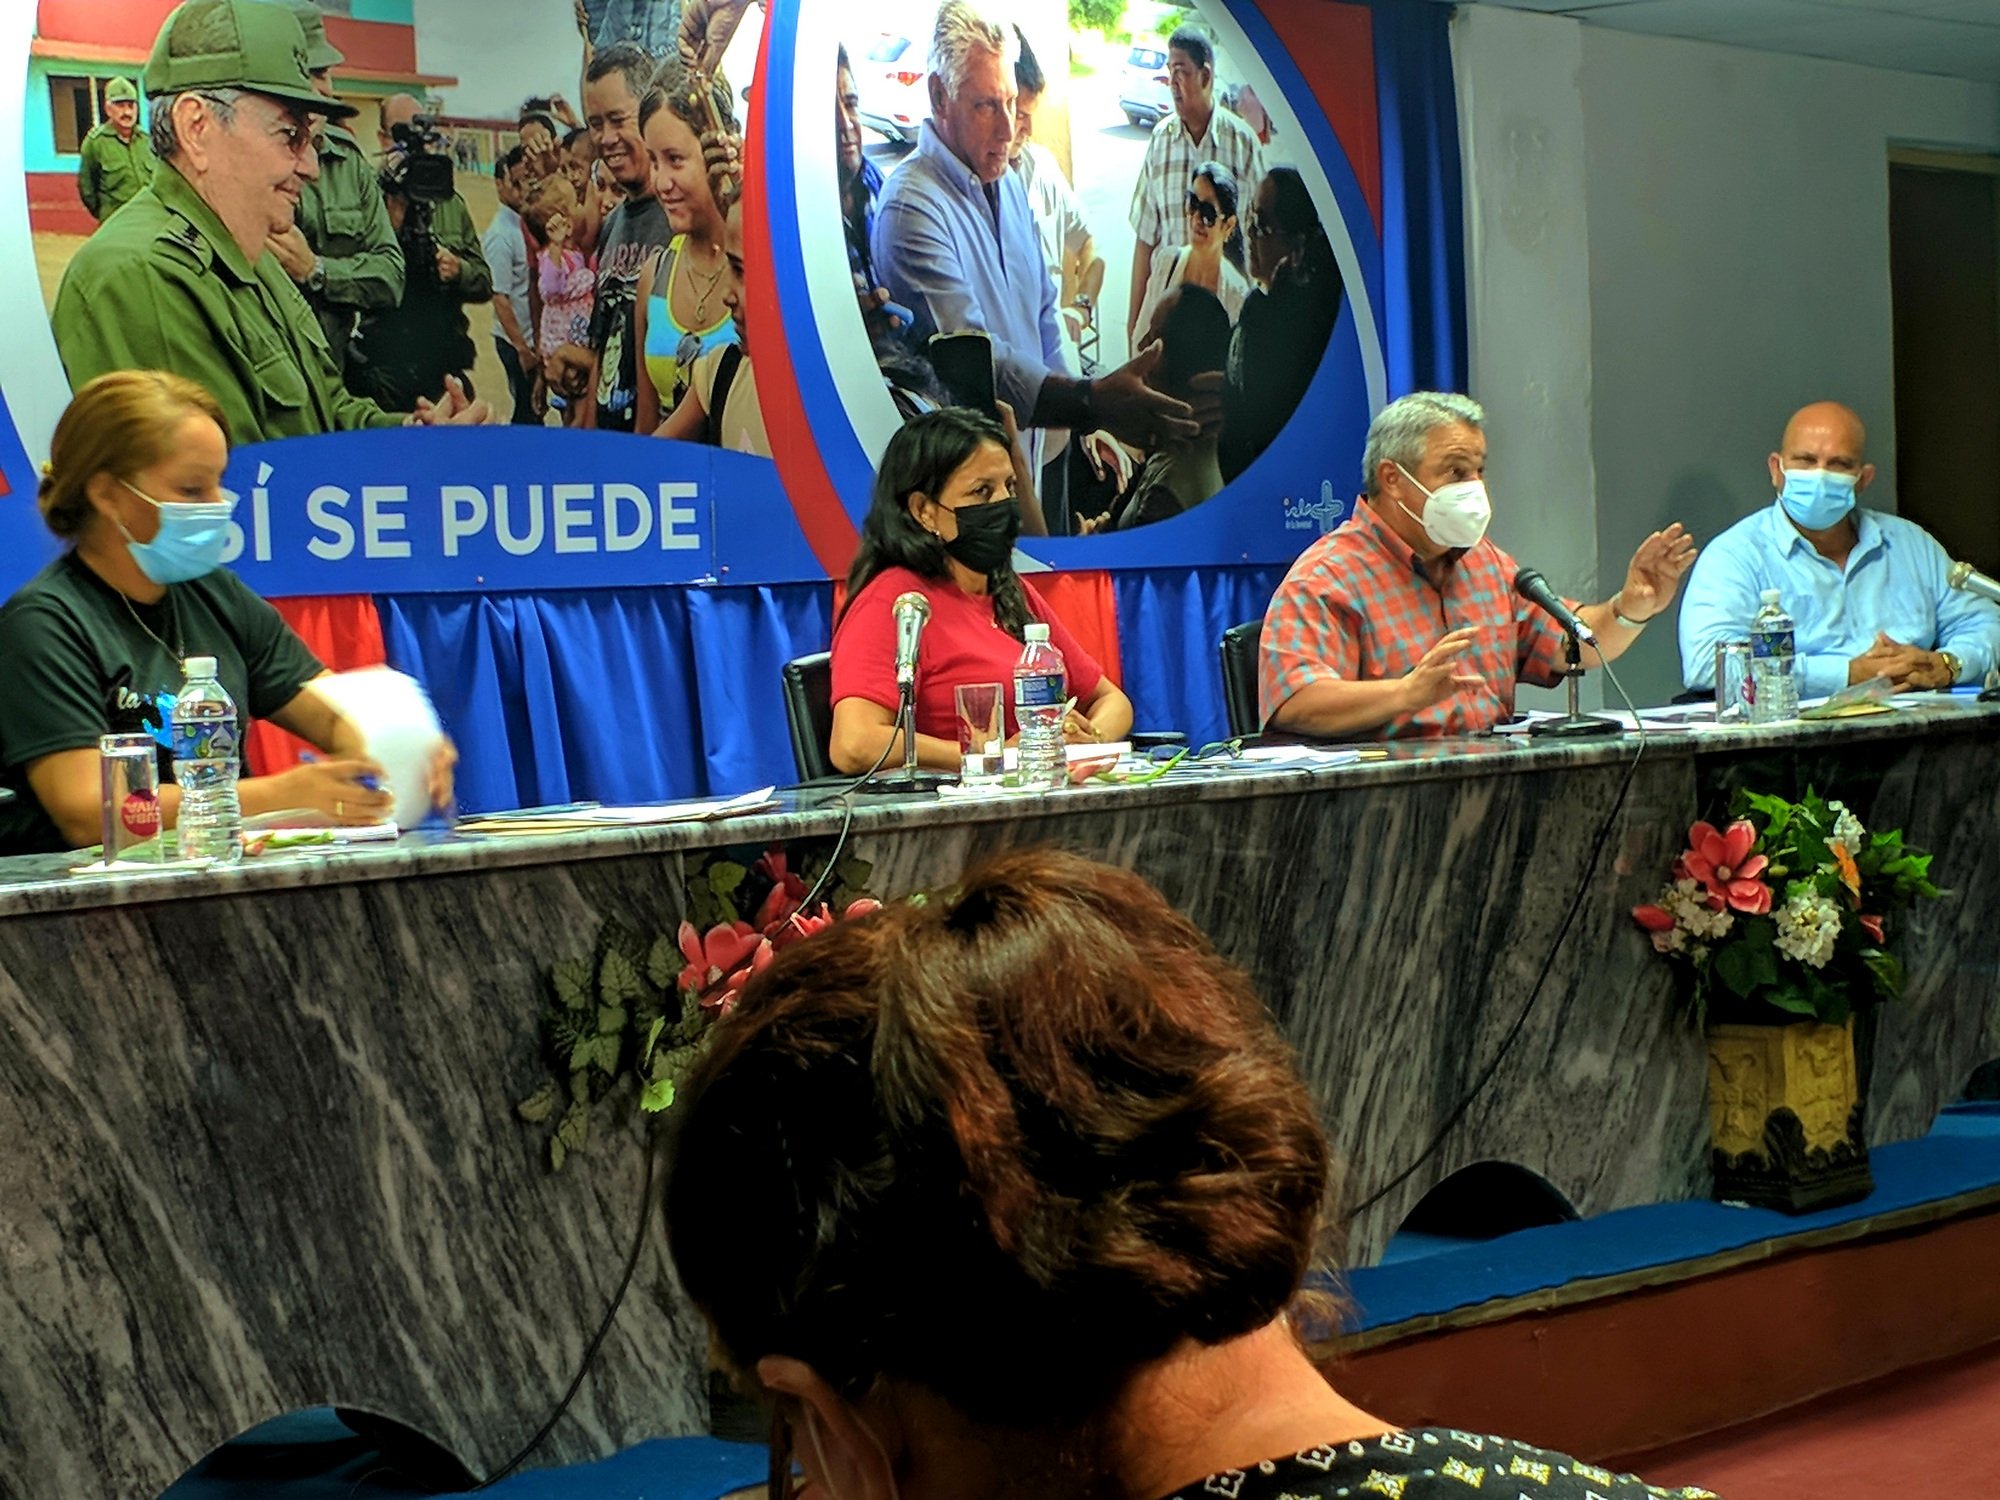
point(828, 529)
point(1334, 47)
point(1088, 608)
point(344, 631)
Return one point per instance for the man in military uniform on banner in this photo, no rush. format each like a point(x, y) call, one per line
point(343, 255)
point(116, 158)
point(180, 279)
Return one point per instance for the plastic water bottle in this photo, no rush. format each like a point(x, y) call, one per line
point(1773, 663)
point(206, 766)
point(1040, 681)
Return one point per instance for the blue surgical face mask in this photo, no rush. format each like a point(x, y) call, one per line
point(189, 543)
point(1817, 499)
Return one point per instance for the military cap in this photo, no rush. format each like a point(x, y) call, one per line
point(120, 91)
point(320, 53)
point(239, 44)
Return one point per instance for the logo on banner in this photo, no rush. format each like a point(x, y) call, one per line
point(1320, 515)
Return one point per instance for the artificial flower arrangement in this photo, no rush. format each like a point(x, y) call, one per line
point(1790, 907)
point(640, 1005)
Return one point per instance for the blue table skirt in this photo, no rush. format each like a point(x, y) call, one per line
point(632, 695)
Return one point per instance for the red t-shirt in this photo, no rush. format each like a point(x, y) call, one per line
point(961, 644)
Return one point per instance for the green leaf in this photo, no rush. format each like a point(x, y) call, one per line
point(617, 979)
point(573, 984)
point(1751, 962)
point(658, 1095)
point(1887, 972)
point(855, 873)
point(652, 1040)
point(579, 1086)
point(602, 1052)
point(611, 1020)
point(539, 1105)
point(574, 1131)
point(1791, 998)
point(580, 1055)
point(558, 1153)
point(724, 876)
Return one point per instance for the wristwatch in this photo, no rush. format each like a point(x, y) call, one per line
point(1618, 613)
point(1952, 665)
point(316, 278)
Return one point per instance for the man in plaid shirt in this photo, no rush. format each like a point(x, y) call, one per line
point(1198, 130)
point(1404, 621)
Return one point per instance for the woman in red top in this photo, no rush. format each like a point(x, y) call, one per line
point(943, 524)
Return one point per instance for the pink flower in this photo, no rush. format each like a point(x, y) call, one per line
point(801, 925)
point(1874, 928)
point(787, 890)
point(860, 907)
point(1653, 918)
point(711, 956)
point(722, 1001)
point(1724, 865)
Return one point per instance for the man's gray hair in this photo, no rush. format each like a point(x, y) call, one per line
point(965, 27)
point(1402, 429)
point(166, 142)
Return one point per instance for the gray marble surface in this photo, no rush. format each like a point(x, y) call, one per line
point(257, 1148)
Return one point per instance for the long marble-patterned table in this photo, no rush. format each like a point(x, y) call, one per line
point(257, 1149)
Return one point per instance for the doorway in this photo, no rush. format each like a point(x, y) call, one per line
point(1944, 278)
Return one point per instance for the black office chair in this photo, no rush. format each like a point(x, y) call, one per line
point(809, 713)
point(1239, 647)
point(808, 684)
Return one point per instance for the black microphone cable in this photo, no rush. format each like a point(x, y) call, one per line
point(1514, 1029)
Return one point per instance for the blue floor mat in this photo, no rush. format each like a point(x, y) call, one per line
point(1428, 1277)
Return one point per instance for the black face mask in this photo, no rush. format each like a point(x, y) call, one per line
point(986, 535)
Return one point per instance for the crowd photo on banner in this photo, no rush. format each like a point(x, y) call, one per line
point(574, 260)
point(1108, 247)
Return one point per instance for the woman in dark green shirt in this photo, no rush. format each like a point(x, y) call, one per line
point(94, 643)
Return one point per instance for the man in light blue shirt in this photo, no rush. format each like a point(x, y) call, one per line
point(955, 242)
point(505, 247)
point(1866, 589)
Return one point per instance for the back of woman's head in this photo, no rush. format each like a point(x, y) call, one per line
point(1010, 1144)
point(1310, 254)
point(122, 424)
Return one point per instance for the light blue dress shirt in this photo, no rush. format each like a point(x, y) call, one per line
point(943, 252)
point(1894, 583)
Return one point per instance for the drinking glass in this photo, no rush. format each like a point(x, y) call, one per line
point(982, 734)
point(130, 778)
point(1733, 686)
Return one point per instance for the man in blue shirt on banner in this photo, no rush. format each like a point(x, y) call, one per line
point(1866, 589)
point(956, 243)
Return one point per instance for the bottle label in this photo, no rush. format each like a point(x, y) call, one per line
point(1038, 690)
point(1770, 643)
point(205, 739)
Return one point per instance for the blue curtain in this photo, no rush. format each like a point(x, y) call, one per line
point(1170, 624)
point(616, 695)
point(1423, 237)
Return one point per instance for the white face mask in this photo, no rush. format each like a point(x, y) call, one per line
point(1455, 515)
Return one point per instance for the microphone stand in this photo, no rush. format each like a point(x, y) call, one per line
point(908, 780)
point(1576, 724)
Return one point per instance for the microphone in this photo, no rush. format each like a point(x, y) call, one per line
point(913, 612)
point(1962, 575)
point(1530, 585)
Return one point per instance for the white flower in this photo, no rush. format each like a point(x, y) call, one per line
point(1847, 829)
point(1808, 926)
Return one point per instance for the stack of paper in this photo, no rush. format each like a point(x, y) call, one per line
point(590, 815)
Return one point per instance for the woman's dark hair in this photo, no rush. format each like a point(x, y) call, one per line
point(925, 452)
point(1041, 1098)
point(1194, 338)
point(1310, 256)
point(1222, 182)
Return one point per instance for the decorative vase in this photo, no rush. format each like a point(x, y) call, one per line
point(1785, 1116)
